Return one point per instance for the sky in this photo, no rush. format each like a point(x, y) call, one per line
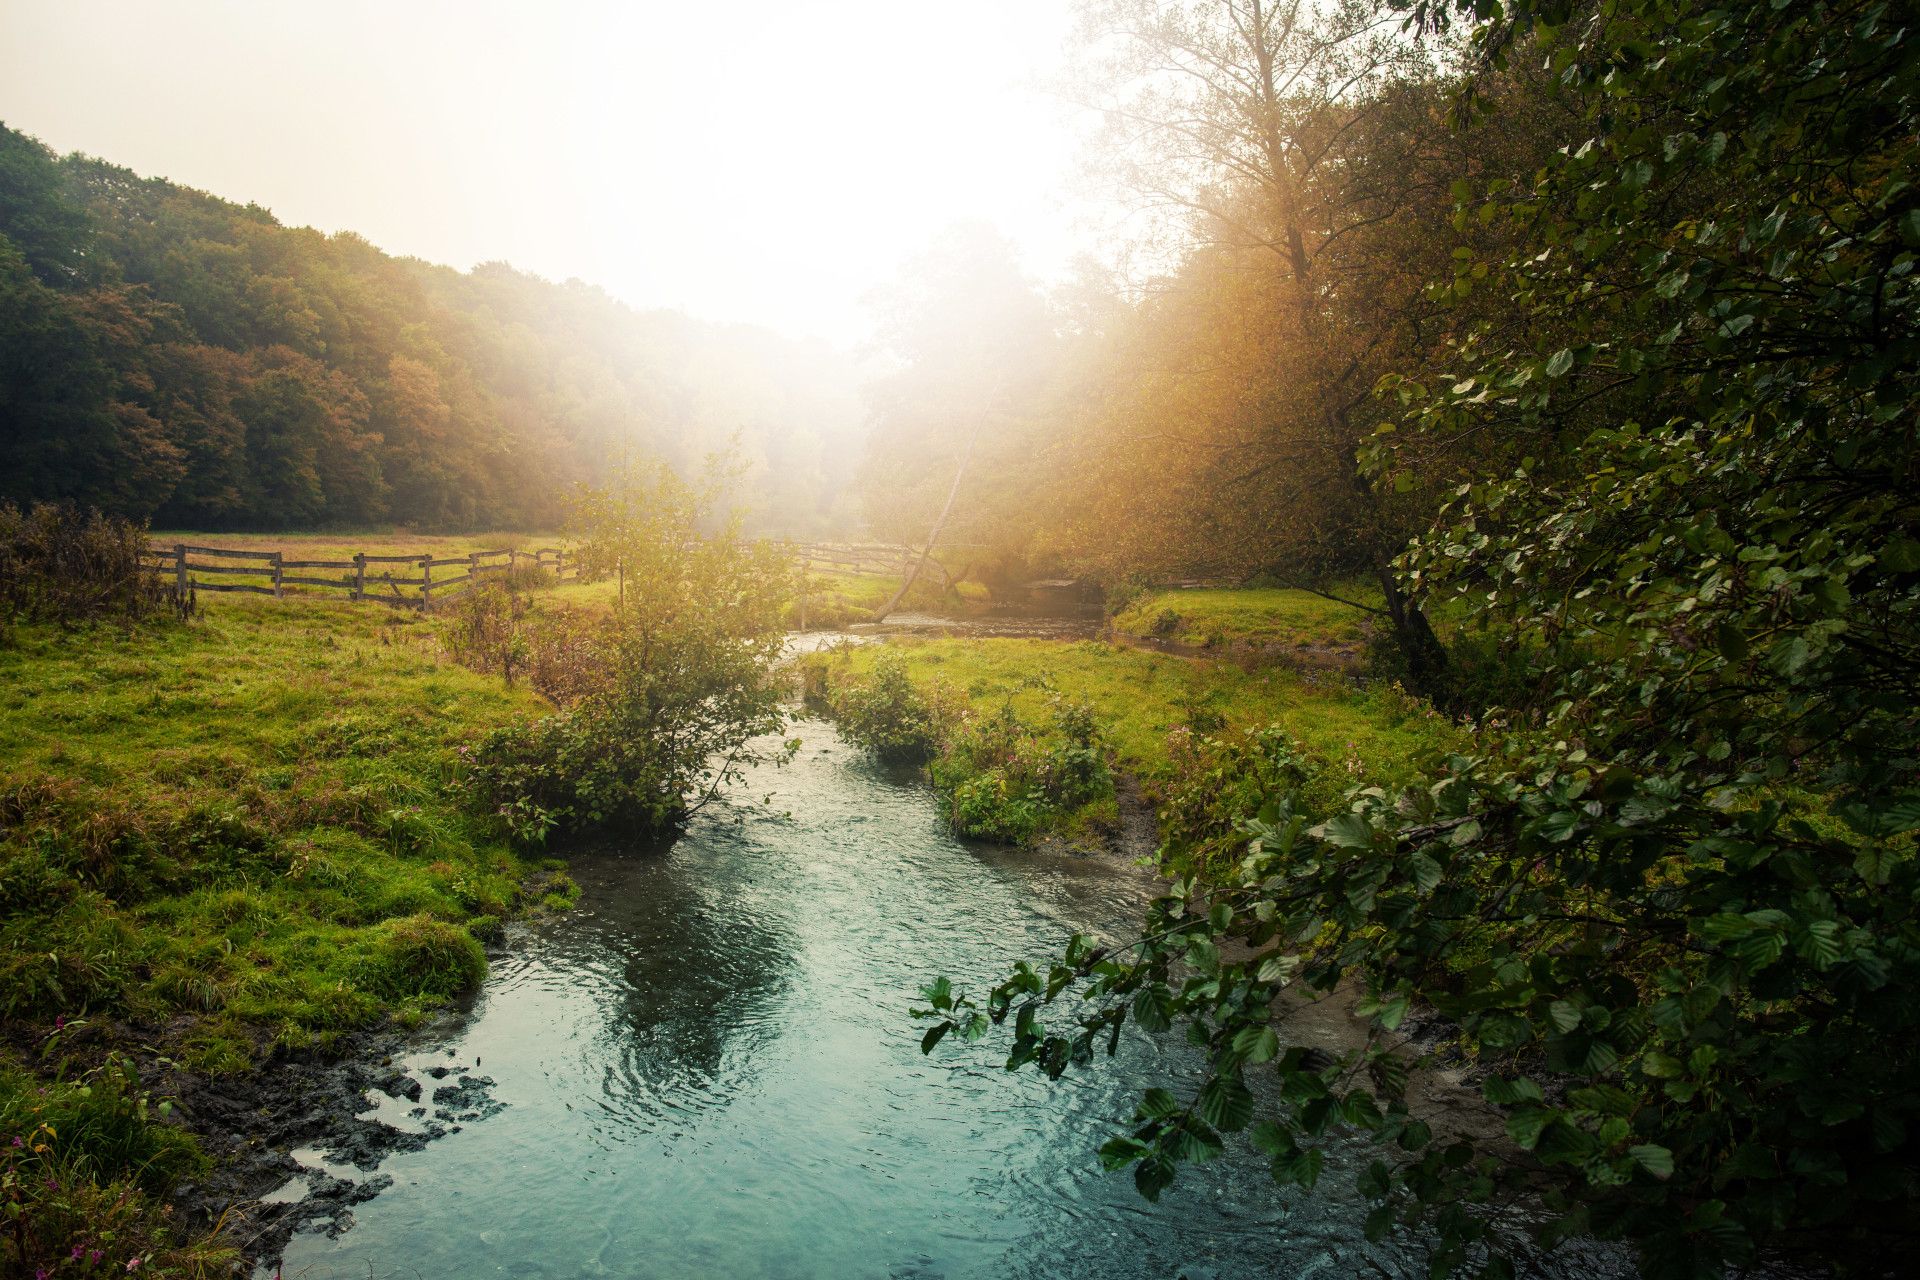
point(766, 161)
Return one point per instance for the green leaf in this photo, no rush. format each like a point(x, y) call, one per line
point(1158, 1104)
point(1349, 831)
point(1226, 1104)
point(1561, 362)
point(1256, 1044)
point(934, 1036)
point(1656, 1160)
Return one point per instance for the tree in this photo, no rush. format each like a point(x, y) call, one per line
point(678, 686)
point(951, 429)
point(1302, 148)
point(1671, 912)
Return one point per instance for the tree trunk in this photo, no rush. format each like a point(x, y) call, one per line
point(933, 536)
point(1426, 657)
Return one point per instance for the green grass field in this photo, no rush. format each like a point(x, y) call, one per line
point(1140, 697)
point(248, 820)
point(1260, 617)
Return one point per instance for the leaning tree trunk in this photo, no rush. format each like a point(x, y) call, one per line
point(933, 537)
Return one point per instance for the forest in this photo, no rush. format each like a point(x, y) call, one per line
point(1493, 454)
point(175, 357)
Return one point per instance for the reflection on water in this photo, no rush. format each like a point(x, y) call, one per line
point(708, 1070)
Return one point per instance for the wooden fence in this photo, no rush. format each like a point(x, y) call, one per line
point(883, 560)
point(364, 577)
point(371, 577)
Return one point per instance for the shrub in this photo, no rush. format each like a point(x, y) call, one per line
point(888, 715)
point(64, 565)
point(1008, 780)
point(664, 693)
point(83, 1167)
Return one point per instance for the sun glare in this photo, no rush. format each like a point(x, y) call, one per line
point(758, 162)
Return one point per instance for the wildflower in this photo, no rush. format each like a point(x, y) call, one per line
point(133, 1264)
point(19, 1142)
point(41, 1274)
point(93, 1256)
point(77, 1251)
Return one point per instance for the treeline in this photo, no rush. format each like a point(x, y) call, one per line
point(1209, 420)
point(169, 355)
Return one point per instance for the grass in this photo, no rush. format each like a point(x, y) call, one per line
point(1377, 734)
point(242, 828)
point(1260, 617)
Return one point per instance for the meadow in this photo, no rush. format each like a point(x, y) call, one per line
point(1268, 618)
point(245, 831)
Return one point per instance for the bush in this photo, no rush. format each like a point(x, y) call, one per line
point(1008, 780)
point(886, 714)
point(663, 693)
point(64, 565)
point(84, 1166)
point(1213, 781)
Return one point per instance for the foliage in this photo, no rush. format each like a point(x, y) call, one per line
point(60, 564)
point(885, 712)
point(486, 630)
point(1671, 914)
point(666, 689)
point(1012, 780)
point(167, 354)
point(84, 1164)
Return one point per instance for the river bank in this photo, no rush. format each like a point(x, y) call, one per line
point(230, 853)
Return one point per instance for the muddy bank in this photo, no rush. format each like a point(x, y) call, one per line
point(296, 1142)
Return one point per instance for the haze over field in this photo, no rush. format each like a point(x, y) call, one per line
point(761, 162)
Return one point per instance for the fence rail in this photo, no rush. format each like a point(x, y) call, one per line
point(876, 560)
point(183, 561)
point(369, 578)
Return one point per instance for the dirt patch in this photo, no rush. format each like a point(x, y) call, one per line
point(323, 1107)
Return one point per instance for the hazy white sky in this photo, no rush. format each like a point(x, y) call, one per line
point(764, 160)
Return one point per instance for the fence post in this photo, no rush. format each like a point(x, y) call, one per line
point(180, 582)
point(359, 575)
point(426, 584)
point(279, 591)
point(559, 566)
point(513, 561)
point(473, 569)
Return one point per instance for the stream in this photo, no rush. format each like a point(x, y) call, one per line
point(708, 1069)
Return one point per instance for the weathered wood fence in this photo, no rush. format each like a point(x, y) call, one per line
point(363, 577)
point(879, 560)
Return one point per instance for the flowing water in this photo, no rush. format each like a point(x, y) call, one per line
point(708, 1069)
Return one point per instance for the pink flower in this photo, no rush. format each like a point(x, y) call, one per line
point(77, 1251)
point(133, 1264)
point(93, 1255)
